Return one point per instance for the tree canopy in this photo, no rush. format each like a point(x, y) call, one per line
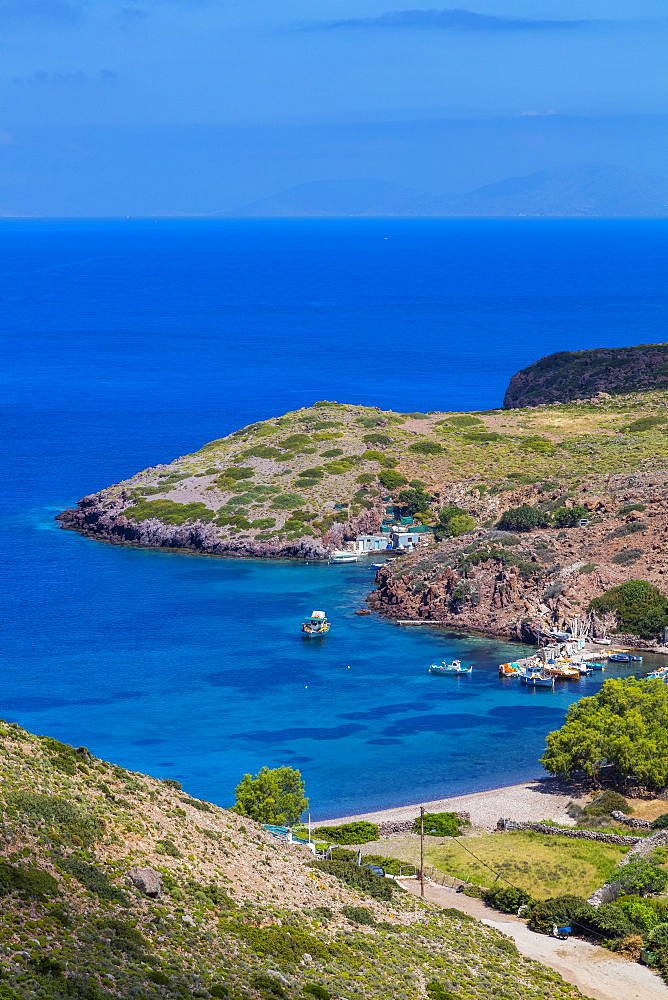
point(523, 518)
point(624, 726)
point(273, 795)
point(641, 608)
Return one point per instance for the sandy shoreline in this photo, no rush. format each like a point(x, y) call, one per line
point(543, 798)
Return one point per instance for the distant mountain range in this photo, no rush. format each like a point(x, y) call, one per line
point(586, 191)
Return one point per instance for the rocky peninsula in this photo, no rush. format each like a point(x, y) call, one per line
point(304, 483)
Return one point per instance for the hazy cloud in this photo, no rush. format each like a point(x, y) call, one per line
point(52, 10)
point(456, 19)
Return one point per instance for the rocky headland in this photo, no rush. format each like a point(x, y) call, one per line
point(304, 483)
point(570, 375)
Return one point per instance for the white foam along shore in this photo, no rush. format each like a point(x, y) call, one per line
point(532, 801)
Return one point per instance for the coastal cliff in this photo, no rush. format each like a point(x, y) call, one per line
point(517, 585)
point(570, 375)
point(114, 884)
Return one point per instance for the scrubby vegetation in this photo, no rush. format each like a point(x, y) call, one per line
point(640, 608)
point(240, 915)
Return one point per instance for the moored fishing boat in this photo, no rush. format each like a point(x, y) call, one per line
point(624, 658)
point(317, 624)
point(449, 669)
point(342, 556)
point(660, 674)
point(534, 676)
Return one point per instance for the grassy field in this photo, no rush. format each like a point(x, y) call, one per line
point(544, 865)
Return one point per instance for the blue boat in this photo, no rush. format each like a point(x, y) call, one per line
point(624, 658)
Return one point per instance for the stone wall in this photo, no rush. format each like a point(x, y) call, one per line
point(599, 835)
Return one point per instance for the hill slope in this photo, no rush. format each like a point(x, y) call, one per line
point(571, 375)
point(114, 884)
point(299, 484)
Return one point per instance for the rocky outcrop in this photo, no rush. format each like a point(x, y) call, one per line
point(147, 880)
point(102, 518)
point(518, 585)
point(571, 375)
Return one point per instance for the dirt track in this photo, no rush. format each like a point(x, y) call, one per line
point(597, 973)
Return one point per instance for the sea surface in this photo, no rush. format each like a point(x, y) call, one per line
point(128, 343)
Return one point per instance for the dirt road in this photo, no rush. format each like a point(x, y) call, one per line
point(597, 973)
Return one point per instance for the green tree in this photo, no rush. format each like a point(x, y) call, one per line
point(442, 824)
point(414, 501)
point(568, 517)
point(625, 725)
point(461, 523)
point(273, 795)
point(524, 518)
point(641, 609)
point(445, 516)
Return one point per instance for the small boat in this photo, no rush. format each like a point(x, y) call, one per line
point(450, 668)
point(659, 674)
point(601, 642)
point(317, 624)
point(597, 666)
point(533, 676)
point(341, 556)
point(509, 669)
point(622, 658)
point(563, 671)
point(635, 659)
point(377, 565)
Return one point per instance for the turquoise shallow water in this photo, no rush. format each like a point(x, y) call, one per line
point(127, 345)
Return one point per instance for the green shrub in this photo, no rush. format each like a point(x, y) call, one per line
point(172, 783)
point(632, 528)
point(125, 937)
point(377, 439)
point(436, 991)
point(459, 524)
point(426, 447)
point(627, 556)
point(315, 473)
point(559, 910)
point(391, 479)
point(332, 453)
point(267, 984)
point(359, 878)
point(30, 881)
point(641, 608)
point(462, 420)
point(506, 898)
point(522, 518)
point(366, 478)
point(658, 937)
point(642, 876)
point(639, 912)
point(288, 501)
point(262, 451)
point(341, 854)
point(238, 472)
point(568, 517)
point(538, 445)
point(661, 822)
point(317, 991)
point(169, 512)
point(158, 977)
point(286, 944)
point(349, 833)
point(71, 821)
point(167, 847)
point(359, 915)
point(606, 802)
point(588, 568)
point(440, 824)
point(645, 424)
point(92, 878)
point(294, 441)
point(219, 990)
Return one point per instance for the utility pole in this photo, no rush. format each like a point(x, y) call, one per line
point(422, 851)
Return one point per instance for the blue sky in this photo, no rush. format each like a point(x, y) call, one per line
point(198, 105)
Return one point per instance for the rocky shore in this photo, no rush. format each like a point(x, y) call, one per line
point(515, 585)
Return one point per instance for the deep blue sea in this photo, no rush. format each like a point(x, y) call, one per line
point(129, 343)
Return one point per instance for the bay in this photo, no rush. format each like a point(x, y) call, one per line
point(128, 343)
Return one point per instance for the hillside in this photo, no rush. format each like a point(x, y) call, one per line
point(570, 375)
point(587, 191)
point(299, 484)
point(115, 884)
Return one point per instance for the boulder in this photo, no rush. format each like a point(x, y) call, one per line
point(147, 880)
